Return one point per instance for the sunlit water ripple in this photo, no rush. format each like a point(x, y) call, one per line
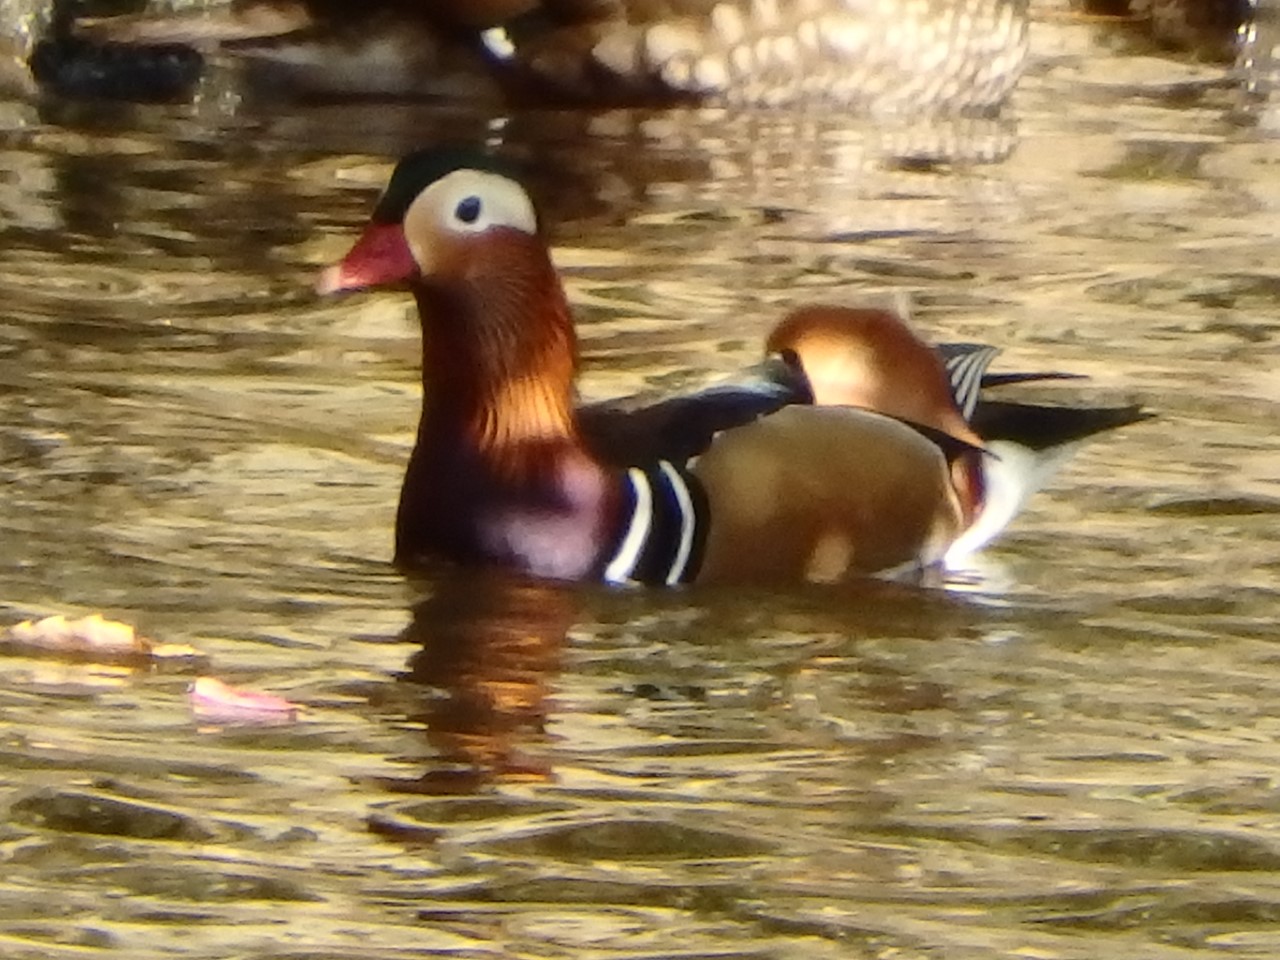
point(1069, 754)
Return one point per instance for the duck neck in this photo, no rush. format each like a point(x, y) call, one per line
point(498, 474)
point(498, 377)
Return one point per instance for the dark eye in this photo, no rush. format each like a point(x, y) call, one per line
point(468, 210)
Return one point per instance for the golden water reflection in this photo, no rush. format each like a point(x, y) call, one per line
point(1068, 753)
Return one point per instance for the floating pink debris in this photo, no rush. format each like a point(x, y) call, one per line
point(213, 700)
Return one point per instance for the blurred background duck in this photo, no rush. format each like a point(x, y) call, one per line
point(941, 55)
point(917, 55)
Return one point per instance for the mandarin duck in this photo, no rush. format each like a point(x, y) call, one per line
point(308, 47)
point(502, 475)
point(917, 56)
point(785, 478)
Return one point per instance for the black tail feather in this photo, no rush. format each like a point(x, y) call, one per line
point(1005, 379)
point(1039, 427)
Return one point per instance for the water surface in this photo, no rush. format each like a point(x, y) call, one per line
point(1070, 753)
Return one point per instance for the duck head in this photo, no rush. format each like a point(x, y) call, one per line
point(499, 349)
point(498, 472)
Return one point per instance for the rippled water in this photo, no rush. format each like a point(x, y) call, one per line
point(1071, 753)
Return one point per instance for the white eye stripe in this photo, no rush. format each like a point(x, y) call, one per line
point(472, 201)
point(434, 218)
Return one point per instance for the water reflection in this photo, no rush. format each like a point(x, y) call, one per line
point(480, 685)
point(489, 650)
point(1074, 759)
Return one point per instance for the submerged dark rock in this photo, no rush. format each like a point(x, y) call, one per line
point(73, 812)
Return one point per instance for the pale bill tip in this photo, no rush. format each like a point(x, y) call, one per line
point(330, 280)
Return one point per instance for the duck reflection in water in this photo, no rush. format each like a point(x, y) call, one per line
point(489, 647)
point(482, 681)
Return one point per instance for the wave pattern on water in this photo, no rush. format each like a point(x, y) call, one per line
point(1069, 753)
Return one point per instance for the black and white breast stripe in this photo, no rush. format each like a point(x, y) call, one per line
point(664, 529)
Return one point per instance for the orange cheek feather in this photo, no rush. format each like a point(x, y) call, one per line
point(380, 258)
